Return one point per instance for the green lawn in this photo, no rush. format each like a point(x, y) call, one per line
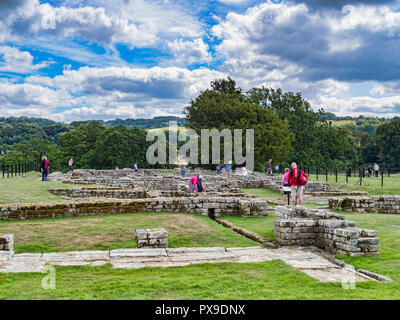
point(268, 280)
point(30, 189)
point(263, 193)
point(372, 185)
point(117, 231)
point(261, 225)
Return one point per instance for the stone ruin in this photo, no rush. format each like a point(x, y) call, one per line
point(381, 204)
point(151, 238)
point(6, 246)
point(301, 226)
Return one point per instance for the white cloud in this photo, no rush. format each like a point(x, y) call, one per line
point(190, 52)
point(14, 60)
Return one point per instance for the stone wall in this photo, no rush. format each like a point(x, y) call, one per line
point(6, 246)
point(221, 206)
point(381, 204)
point(323, 229)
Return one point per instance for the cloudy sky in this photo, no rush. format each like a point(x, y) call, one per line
point(103, 59)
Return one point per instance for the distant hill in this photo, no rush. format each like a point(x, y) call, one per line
point(156, 122)
point(360, 123)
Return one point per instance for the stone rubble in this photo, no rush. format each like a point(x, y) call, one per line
point(151, 238)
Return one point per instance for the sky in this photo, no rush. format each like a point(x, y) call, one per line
point(106, 59)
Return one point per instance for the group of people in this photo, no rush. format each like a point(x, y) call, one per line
point(226, 169)
point(375, 168)
point(45, 167)
point(296, 179)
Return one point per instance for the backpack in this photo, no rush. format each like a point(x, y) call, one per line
point(303, 179)
point(46, 164)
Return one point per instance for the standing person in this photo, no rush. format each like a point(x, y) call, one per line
point(276, 169)
point(294, 183)
point(135, 167)
point(200, 187)
point(369, 171)
point(285, 183)
point(219, 168)
point(376, 169)
point(183, 170)
point(70, 163)
point(269, 167)
point(245, 174)
point(228, 169)
point(44, 168)
point(193, 184)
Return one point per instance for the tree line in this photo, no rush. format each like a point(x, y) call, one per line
point(286, 129)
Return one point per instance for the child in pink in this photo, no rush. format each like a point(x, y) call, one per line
point(285, 182)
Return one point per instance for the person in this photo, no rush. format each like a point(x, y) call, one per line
point(219, 168)
point(245, 174)
point(135, 167)
point(269, 167)
point(276, 169)
point(376, 168)
point(294, 183)
point(228, 169)
point(44, 168)
point(193, 184)
point(70, 163)
point(285, 183)
point(183, 170)
point(369, 171)
point(200, 187)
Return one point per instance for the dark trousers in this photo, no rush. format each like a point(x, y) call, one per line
point(45, 173)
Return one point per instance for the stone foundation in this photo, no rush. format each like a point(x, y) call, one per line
point(6, 246)
point(381, 204)
point(323, 229)
point(151, 238)
point(222, 206)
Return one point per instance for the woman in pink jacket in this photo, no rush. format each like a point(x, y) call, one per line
point(193, 184)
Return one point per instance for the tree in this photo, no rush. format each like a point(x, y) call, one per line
point(225, 107)
point(387, 139)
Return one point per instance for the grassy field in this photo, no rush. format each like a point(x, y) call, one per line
point(29, 189)
point(117, 231)
point(268, 280)
point(372, 185)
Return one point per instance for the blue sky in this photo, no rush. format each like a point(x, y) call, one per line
point(99, 59)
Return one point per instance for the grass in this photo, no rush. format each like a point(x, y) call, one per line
point(263, 193)
point(261, 225)
point(372, 185)
point(30, 189)
point(268, 280)
point(117, 231)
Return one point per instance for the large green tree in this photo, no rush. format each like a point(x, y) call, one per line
point(387, 142)
point(225, 107)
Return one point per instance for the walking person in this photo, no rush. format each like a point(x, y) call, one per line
point(228, 169)
point(296, 187)
point(219, 168)
point(245, 172)
point(376, 169)
point(183, 170)
point(285, 183)
point(269, 167)
point(70, 163)
point(135, 167)
point(193, 184)
point(44, 168)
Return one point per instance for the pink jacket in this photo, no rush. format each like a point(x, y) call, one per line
point(193, 180)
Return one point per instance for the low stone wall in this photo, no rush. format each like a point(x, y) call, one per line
point(323, 229)
point(6, 246)
point(113, 193)
point(381, 204)
point(219, 206)
point(130, 193)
